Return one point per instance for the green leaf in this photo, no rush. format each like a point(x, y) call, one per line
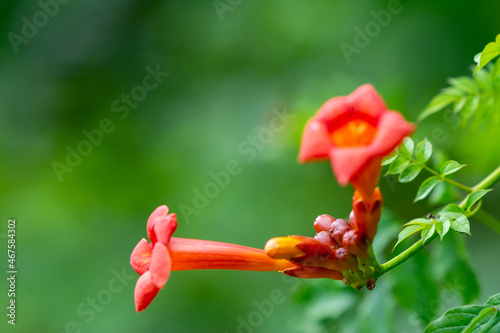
point(496, 70)
point(456, 320)
point(482, 318)
point(490, 51)
point(410, 172)
point(426, 187)
point(439, 229)
point(419, 221)
point(407, 232)
point(423, 151)
point(461, 224)
point(452, 208)
point(427, 233)
point(469, 109)
point(460, 105)
point(398, 165)
point(493, 300)
point(476, 69)
point(483, 80)
point(451, 167)
point(442, 194)
point(446, 228)
point(389, 159)
point(448, 216)
point(464, 84)
point(407, 147)
point(469, 318)
point(475, 197)
point(456, 216)
point(442, 228)
point(439, 102)
point(477, 59)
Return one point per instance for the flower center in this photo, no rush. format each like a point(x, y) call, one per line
point(354, 133)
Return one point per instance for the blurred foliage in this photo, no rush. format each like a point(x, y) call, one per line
point(226, 76)
point(475, 99)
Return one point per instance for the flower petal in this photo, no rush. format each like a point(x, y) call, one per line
point(284, 248)
point(164, 228)
point(347, 163)
point(332, 110)
point(189, 254)
point(160, 265)
point(366, 181)
point(315, 143)
point(392, 128)
point(157, 215)
point(141, 256)
point(314, 248)
point(145, 292)
point(309, 272)
point(367, 101)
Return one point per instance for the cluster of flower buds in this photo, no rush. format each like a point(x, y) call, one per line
point(339, 250)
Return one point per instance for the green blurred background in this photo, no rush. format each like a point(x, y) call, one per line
point(229, 69)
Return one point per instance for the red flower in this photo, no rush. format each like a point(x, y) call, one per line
point(354, 132)
point(154, 261)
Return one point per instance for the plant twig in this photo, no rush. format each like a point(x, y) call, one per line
point(489, 181)
point(403, 256)
point(448, 180)
point(486, 218)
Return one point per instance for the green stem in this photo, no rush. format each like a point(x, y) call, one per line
point(443, 178)
point(489, 181)
point(481, 215)
point(372, 260)
point(488, 220)
point(403, 256)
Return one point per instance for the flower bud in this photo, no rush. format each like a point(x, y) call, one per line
point(339, 228)
point(323, 223)
point(346, 259)
point(315, 249)
point(355, 242)
point(366, 215)
point(325, 237)
point(283, 248)
point(352, 221)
